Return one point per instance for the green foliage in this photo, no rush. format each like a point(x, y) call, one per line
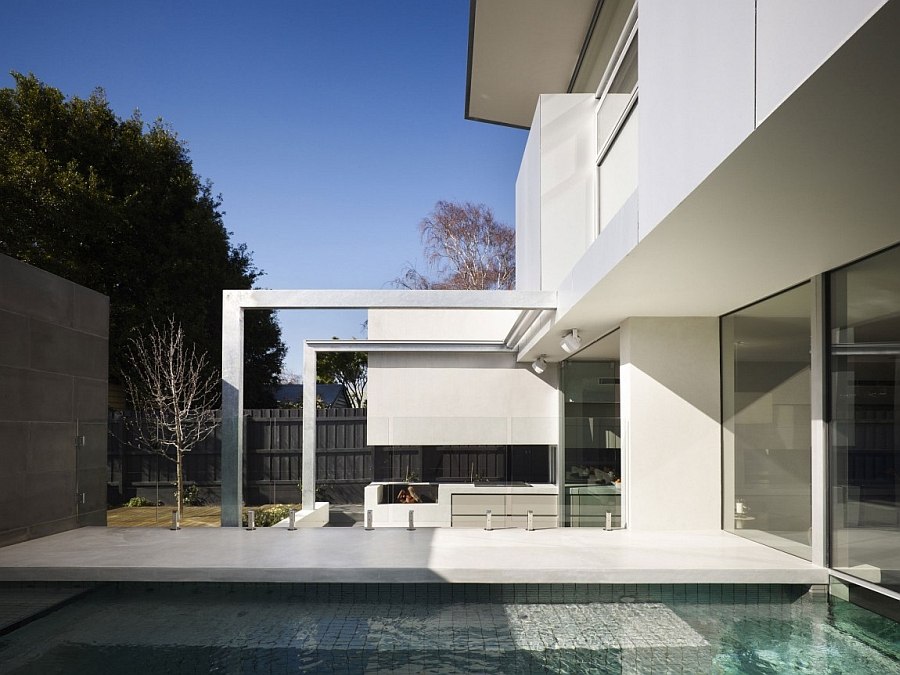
point(192, 496)
point(114, 204)
point(267, 516)
point(138, 501)
point(347, 368)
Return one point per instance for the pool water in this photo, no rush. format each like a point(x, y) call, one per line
point(439, 628)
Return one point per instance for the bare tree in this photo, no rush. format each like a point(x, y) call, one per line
point(465, 248)
point(174, 392)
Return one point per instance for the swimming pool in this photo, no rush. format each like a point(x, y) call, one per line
point(443, 628)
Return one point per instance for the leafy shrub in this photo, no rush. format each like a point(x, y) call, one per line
point(268, 515)
point(192, 496)
point(138, 501)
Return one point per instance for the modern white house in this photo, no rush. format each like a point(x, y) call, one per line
point(705, 333)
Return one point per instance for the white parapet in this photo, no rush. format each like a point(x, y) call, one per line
point(317, 517)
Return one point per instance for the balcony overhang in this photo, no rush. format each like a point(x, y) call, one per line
point(814, 187)
point(519, 49)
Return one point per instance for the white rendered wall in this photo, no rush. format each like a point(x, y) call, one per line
point(528, 211)
point(794, 38)
point(619, 171)
point(710, 71)
point(670, 421)
point(440, 324)
point(696, 75)
point(456, 398)
point(555, 202)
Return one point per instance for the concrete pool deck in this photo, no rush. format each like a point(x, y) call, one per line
point(354, 555)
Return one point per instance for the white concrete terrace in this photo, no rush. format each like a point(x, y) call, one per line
point(447, 555)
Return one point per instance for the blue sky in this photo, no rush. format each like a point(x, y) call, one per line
point(329, 128)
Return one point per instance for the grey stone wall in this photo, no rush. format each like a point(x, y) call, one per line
point(54, 345)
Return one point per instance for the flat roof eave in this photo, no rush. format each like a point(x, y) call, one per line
point(519, 49)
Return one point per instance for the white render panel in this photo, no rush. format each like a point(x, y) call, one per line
point(670, 419)
point(555, 194)
point(528, 211)
point(441, 324)
point(794, 38)
point(619, 171)
point(696, 78)
point(459, 399)
point(568, 174)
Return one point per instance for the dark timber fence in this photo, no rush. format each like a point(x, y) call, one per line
point(272, 460)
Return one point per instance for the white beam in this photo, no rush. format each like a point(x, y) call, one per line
point(406, 346)
point(391, 299)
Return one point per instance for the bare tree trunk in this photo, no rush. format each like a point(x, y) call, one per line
point(173, 392)
point(179, 479)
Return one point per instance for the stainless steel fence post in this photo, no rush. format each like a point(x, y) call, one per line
point(608, 521)
point(487, 520)
point(292, 519)
point(529, 521)
point(251, 519)
point(412, 525)
point(176, 525)
point(369, 519)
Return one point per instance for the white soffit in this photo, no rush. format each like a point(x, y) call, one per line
point(519, 49)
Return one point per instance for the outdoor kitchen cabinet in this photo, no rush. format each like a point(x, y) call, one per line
point(507, 510)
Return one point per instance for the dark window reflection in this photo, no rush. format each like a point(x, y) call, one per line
point(865, 436)
point(767, 422)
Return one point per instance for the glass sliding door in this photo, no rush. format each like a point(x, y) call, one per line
point(766, 421)
point(864, 430)
point(592, 455)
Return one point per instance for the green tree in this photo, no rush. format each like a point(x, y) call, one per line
point(115, 205)
point(350, 369)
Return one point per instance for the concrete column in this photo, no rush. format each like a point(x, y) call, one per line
point(308, 474)
point(232, 432)
point(670, 393)
point(819, 432)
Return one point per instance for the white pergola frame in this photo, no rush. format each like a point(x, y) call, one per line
point(235, 303)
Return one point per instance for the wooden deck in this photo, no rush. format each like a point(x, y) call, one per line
point(161, 516)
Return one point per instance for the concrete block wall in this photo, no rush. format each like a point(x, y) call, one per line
point(54, 346)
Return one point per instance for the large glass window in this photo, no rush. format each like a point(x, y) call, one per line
point(592, 459)
point(864, 429)
point(766, 422)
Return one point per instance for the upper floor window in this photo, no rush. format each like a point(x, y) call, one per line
point(618, 97)
point(601, 47)
point(617, 131)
